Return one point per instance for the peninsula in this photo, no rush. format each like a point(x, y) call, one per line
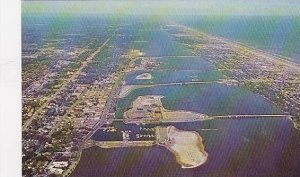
point(149, 109)
point(187, 146)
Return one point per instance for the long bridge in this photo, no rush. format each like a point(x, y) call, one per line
point(171, 56)
point(251, 116)
point(126, 89)
point(188, 119)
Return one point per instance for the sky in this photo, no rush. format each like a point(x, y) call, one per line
point(166, 7)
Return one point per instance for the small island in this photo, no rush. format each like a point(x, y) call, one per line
point(187, 146)
point(144, 76)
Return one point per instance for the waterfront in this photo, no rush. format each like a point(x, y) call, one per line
point(85, 62)
point(235, 146)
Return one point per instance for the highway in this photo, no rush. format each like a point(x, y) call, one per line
point(103, 118)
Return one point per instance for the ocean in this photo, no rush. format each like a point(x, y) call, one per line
point(275, 34)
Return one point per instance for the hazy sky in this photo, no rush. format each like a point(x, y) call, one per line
point(210, 7)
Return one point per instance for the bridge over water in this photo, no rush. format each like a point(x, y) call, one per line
point(237, 116)
point(129, 88)
point(90, 143)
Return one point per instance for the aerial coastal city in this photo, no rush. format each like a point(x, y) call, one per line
point(116, 95)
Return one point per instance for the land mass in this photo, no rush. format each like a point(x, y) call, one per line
point(149, 108)
point(185, 145)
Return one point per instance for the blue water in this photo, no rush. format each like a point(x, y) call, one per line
point(176, 69)
point(210, 99)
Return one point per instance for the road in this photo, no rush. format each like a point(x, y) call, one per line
point(103, 119)
point(65, 84)
point(113, 95)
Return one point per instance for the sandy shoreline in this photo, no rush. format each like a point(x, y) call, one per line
point(185, 145)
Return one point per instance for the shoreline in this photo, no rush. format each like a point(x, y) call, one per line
point(238, 44)
point(69, 170)
point(279, 64)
